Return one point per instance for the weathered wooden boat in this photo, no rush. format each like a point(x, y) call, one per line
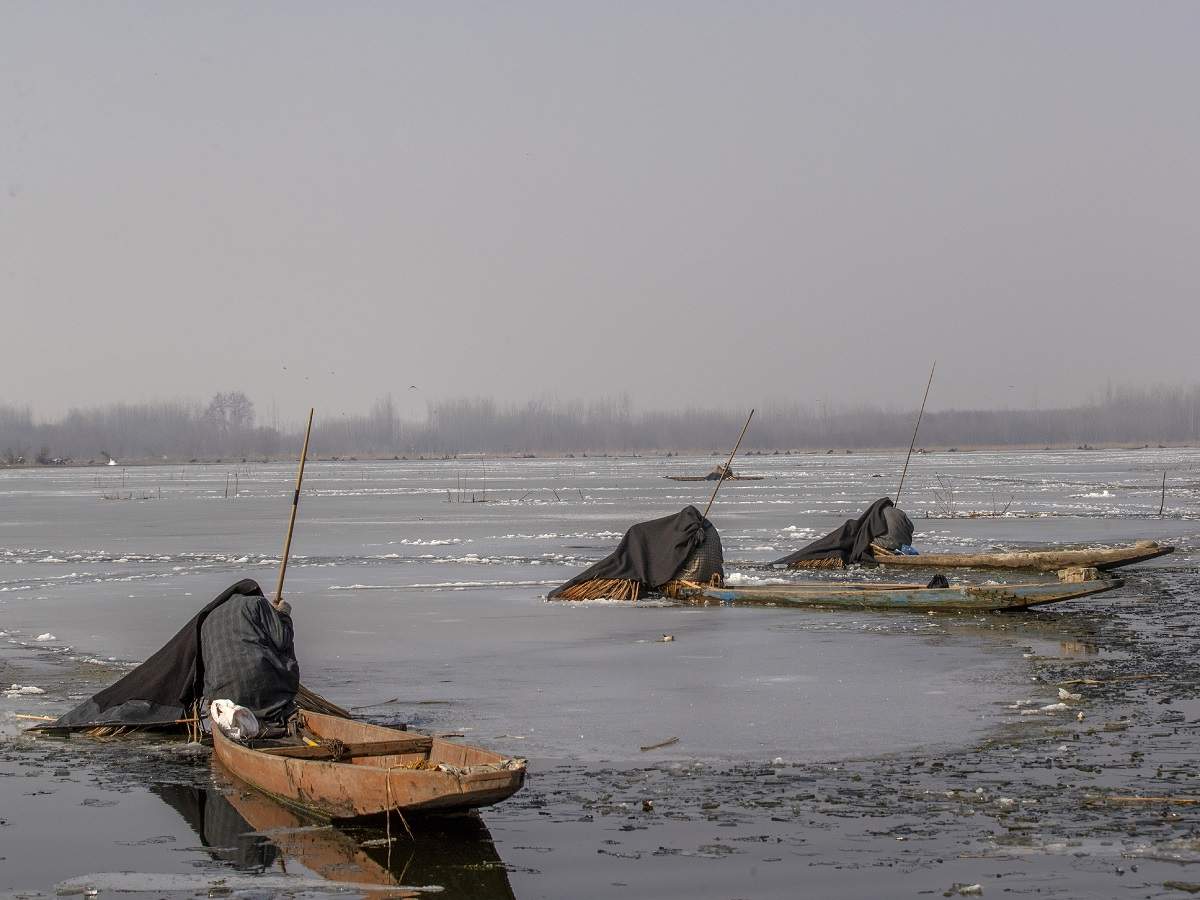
point(916, 597)
point(708, 478)
point(351, 770)
point(1102, 558)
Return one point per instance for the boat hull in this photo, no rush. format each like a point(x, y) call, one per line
point(1105, 558)
point(375, 784)
point(706, 478)
point(970, 597)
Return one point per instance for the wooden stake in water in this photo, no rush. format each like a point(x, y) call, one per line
point(287, 542)
point(728, 465)
point(915, 429)
point(1163, 499)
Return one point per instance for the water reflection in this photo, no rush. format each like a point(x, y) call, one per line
point(242, 827)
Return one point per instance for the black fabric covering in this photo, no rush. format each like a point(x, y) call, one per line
point(249, 654)
point(164, 687)
point(938, 581)
point(650, 552)
point(851, 543)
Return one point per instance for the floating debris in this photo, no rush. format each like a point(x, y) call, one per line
point(959, 889)
point(667, 743)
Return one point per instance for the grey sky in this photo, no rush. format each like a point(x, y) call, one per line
point(694, 203)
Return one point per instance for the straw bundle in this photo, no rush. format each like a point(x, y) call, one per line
point(833, 562)
point(603, 589)
point(678, 588)
point(104, 731)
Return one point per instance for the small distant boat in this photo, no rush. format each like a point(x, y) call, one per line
point(709, 478)
point(353, 770)
point(1102, 558)
point(723, 472)
point(915, 597)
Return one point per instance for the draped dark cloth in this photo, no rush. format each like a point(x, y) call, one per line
point(164, 687)
point(249, 655)
point(650, 552)
point(851, 543)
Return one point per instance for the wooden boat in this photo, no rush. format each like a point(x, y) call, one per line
point(357, 770)
point(916, 597)
point(1103, 558)
point(707, 478)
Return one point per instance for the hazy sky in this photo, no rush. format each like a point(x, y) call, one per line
point(704, 203)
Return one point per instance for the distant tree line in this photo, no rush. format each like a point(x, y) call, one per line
point(226, 428)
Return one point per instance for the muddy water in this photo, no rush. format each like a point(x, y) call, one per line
point(821, 751)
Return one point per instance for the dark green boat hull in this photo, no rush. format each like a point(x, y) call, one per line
point(974, 597)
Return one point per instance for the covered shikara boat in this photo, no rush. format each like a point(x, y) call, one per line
point(915, 597)
point(1102, 558)
point(352, 770)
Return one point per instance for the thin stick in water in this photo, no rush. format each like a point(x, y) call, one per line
point(728, 465)
point(1163, 499)
point(287, 542)
point(915, 429)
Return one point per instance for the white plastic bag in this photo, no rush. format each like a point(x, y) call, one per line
point(234, 721)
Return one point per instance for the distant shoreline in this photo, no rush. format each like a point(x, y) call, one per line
point(745, 458)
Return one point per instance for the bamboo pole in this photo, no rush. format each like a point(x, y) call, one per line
point(915, 429)
point(287, 542)
point(1163, 499)
point(728, 465)
point(305, 698)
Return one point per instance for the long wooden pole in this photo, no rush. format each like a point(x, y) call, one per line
point(916, 428)
point(1163, 501)
point(287, 542)
point(728, 464)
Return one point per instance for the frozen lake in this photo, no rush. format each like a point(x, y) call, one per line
point(829, 748)
point(404, 590)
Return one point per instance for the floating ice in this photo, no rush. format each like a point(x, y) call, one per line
point(24, 690)
point(741, 579)
point(1048, 708)
point(47, 636)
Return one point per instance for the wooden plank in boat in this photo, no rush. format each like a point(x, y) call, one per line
point(417, 743)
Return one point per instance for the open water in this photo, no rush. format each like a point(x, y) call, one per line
point(418, 593)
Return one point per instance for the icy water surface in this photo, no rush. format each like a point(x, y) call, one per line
point(424, 606)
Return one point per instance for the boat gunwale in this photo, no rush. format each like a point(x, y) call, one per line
point(963, 597)
point(452, 790)
point(1103, 558)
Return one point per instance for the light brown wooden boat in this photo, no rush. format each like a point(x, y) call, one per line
point(359, 770)
point(1102, 558)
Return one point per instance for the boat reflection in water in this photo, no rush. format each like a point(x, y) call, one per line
point(243, 827)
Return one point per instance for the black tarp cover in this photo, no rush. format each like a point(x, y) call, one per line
point(851, 543)
point(164, 687)
point(650, 552)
